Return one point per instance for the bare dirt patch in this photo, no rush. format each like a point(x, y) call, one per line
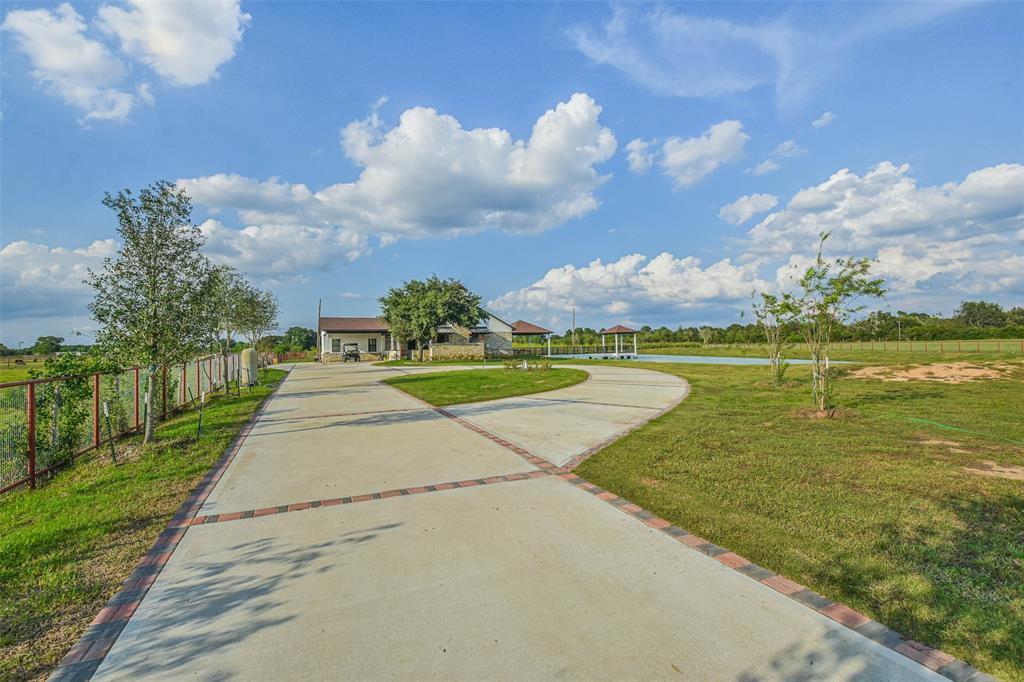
point(949, 373)
point(989, 468)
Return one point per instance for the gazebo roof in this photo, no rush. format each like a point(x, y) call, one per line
point(524, 328)
point(618, 329)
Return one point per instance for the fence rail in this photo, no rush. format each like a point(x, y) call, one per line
point(46, 423)
point(937, 346)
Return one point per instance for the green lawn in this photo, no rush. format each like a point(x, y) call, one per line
point(871, 508)
point(12, 372)
point(429, 363)
point(66, 547)
point(470, 386)
point(853, 354)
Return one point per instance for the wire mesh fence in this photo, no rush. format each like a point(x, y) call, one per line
point(45, 423)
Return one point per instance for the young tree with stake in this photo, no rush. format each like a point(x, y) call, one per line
point(150, 298)
point(773, 314)
point(829, 296)
point(257, 315)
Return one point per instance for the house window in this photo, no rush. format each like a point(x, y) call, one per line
point(443, 338)
point(371, 345)
point(335, 345)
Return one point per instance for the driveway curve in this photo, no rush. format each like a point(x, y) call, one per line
point(360, 534)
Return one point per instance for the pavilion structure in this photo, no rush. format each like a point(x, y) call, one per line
point(530, 331)
point(617, 332)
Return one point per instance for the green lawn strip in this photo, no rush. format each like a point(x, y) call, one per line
point(870, 509)
point(66, 547)
point(877, 356)
point(470, 386)
point(429, 363)
point(12, 372)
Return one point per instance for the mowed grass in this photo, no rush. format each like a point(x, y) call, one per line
point(66, 547)
point(470, 386)
point(870, 509)
point(12, 372)
point(865, 354)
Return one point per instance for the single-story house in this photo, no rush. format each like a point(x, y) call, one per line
point(492, 337)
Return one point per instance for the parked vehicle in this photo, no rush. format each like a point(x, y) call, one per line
point(350, 351)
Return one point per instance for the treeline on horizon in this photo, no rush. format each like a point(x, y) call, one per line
point(971, 320)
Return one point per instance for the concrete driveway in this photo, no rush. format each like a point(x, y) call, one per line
point(359, 534)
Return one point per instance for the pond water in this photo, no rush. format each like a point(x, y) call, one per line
point(697, 359)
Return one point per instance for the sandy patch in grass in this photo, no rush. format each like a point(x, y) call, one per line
point(949, 373)
point(989, 468)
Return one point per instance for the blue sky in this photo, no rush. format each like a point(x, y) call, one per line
point(649, 164)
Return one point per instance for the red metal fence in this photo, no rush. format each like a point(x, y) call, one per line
point(45, 423)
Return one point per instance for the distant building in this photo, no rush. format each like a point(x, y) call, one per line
point(491, 338)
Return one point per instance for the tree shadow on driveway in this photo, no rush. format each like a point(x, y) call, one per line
point(199, 613)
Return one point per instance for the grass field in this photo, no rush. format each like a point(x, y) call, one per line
point(469, 386)
point(855, 353)
point(888, 515)
point(11, 372)
point(66, 547)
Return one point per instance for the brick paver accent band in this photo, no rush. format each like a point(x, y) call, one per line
point(353, 499)
point(934, 659)
point(85, 657)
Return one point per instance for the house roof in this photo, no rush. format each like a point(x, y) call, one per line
point(525, 328)
point(353, 324)
point(618, 329)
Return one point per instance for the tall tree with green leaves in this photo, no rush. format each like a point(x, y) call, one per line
point(418, 308)
point(257, 315)
point(980, 314)
point(227, 294)
point(150, 299)
point(831, 292)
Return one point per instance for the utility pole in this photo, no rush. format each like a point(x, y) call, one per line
point(573, 349)
point(319, 301)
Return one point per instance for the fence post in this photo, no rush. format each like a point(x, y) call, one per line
point(136, 398)
point(199, 381)
point(977, 346)
point(96, 410)
point(183, 381)
point(164, 390)
point(32, 435)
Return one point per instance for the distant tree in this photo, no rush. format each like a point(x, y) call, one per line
point(4, 350)
point(1015, 316)
point(830, 294)
point(418, 308)
point(258, 312)
point(151, 297)
point(980, 314)
point(299, 338)
point(707, 335)
point(227, 295)
point(48, 345)
point(773, 313)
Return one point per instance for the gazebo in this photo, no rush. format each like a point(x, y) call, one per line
point(524, 328)
point(617, 332)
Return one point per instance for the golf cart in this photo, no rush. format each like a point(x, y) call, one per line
point(350, 351)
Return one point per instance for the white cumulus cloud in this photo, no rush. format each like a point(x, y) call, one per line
point(68, 64)
point(639, 155)
point(689, 160)
point(632, 284)
point(823, 120)
point(281, 252)
point(766, 166)
point(950, 239)
point(746, 207)
point(428, 176)
point(184, 41)
point(39, 281)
